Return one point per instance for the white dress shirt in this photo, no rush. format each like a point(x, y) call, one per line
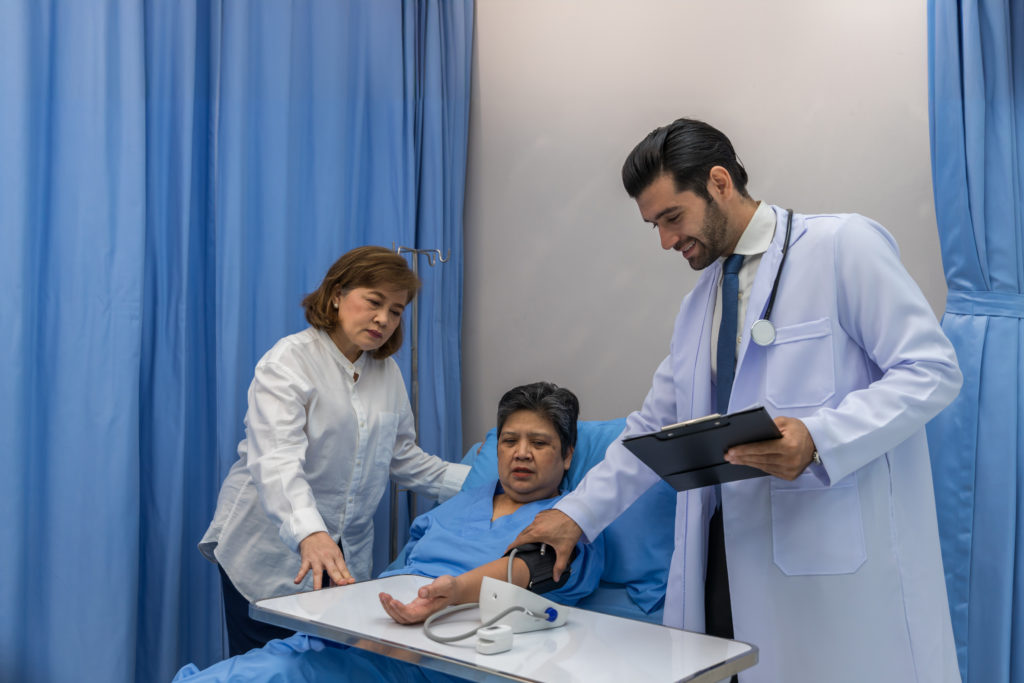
point(318, 451)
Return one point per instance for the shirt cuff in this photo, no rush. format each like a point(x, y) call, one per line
point(821, 473)
point(300, 524)
point(454, 474)
point(820, 439)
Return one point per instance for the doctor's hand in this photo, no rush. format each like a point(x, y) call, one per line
point(433, 597)
point(319, 554)
point(558, 530)
point(785, 458)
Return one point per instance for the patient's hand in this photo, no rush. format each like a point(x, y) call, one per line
point(431, 598)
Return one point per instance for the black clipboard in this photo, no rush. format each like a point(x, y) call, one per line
point(689, 455)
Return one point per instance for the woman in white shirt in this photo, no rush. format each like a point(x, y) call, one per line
point(328, 421)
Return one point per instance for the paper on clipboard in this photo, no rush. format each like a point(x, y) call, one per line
point(689, 454)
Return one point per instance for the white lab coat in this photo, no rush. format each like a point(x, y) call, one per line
point(836, 576)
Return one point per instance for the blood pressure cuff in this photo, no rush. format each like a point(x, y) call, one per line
point(540, 560)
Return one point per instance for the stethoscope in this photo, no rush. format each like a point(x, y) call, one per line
point(762, 332)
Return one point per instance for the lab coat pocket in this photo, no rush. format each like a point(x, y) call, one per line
point(800, 370)
point(817, 529)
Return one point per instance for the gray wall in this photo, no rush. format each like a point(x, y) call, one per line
point(826, 103)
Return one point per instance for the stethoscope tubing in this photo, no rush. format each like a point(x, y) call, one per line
point(765, 320)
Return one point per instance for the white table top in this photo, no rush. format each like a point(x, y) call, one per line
point(591, 647)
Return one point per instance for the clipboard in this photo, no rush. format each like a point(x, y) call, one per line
point(689, 455)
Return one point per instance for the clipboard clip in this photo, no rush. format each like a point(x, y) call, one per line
point(694, 426)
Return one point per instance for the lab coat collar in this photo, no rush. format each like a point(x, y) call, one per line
point(692, 339)
point(765, 278)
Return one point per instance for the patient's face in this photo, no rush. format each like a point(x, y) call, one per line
point(530, 463)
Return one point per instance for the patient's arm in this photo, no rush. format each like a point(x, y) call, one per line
point(558, 530)
point(453, 590)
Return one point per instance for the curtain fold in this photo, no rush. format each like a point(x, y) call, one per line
point(174, 177)
point(72, 240)
point(437, 87)
point(976, 86)
point(178, 413)
point(441, 163)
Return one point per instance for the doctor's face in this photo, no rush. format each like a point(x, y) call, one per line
point(530, 462)
point(685, 221)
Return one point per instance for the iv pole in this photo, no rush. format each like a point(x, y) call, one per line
point(433, 256)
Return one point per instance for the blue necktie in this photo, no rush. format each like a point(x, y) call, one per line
point(717, 603)
point(726, 358)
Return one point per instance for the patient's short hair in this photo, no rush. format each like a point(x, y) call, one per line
point(557, 405)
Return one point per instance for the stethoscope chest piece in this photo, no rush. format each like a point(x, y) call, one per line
point(762, 332)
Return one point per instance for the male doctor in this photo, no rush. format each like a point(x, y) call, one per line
point(831, 565)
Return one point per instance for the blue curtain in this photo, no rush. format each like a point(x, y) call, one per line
point(174, 176)
point(976, 79)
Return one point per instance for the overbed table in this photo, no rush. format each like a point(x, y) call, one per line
point(591, 647)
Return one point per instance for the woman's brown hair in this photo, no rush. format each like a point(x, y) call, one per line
point(362, 267)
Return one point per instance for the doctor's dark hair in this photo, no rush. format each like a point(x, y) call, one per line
point(687, 149)
point(555, 404)
point(362, 267)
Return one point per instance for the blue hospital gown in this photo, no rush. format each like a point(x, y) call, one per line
point(452, 538)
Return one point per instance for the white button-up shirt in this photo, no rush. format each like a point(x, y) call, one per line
point(319, 448)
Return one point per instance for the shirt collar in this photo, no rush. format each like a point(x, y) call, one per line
point(350, 367)
point(757, 236)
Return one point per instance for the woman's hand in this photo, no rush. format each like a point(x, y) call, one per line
point(319, 554)
point(434, 596)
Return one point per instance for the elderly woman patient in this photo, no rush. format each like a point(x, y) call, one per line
point(457, 543)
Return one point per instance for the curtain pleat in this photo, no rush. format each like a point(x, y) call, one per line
point(72, 240)
point(976, 88)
